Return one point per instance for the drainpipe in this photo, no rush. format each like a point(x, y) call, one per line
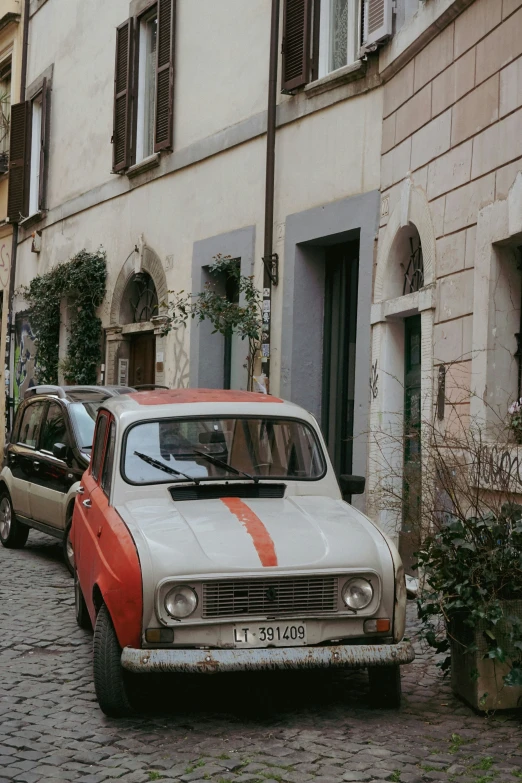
point(518, 335)
point(270, 259)
point(14, 248)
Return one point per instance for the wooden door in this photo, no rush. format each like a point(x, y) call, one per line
point(143, 347)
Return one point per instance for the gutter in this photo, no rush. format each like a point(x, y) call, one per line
point(270, 259)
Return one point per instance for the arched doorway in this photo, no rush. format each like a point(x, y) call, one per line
point(402, 368)
point(135, 344)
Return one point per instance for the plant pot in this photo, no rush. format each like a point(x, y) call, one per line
point(487, 690)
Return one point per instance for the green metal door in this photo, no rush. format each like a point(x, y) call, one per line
point(340, 331)
point(409, 537)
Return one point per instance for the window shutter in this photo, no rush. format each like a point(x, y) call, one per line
point(296, 43)
point(19, 162)
point(121, 137)
point(44, 145)
point(164, 121)
point(377, 20)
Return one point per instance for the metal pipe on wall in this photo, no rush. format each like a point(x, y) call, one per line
point(269, 258)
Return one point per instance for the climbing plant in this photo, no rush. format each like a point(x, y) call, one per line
point(243, 318)
point(82, 282)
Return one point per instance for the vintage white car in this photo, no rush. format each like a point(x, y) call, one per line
point(211, 535)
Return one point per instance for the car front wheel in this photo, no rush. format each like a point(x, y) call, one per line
point(13, 534)
point(385, 686)
point(68, 552)
point(110, 680)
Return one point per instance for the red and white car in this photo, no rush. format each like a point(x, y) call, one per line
point(211, 535)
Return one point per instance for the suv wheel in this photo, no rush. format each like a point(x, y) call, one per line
point(13, 534)
point(68, 551)
point(110, 679)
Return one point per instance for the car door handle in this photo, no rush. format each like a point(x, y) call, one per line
point(81, 490)
point(87, 503)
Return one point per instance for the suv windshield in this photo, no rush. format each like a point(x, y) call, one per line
point(174, 450)
point(83, 416)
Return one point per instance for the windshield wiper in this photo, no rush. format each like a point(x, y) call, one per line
point(225, 465)
point(173, 472)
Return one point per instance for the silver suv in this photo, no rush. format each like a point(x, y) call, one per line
point(49, 450)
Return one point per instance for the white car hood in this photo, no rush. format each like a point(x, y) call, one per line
point(205, 537)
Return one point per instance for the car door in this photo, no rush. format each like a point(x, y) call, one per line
point(91, 504)
point(50, 482)
point(23, 455)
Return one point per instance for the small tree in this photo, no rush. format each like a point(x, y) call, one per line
point(243, 318)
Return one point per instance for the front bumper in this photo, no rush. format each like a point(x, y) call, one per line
point(218, 660)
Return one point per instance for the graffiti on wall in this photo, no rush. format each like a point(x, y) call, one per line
point(5, 263)
point(498, 468)
point(24, 357)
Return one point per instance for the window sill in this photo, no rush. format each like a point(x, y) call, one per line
point(349, 73)
point(31, 220)
point(144, 165)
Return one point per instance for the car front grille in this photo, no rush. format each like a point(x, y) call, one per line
point(272, 597)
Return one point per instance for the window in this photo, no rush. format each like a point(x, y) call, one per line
point(54, 430)
point(28, 155)
point(224, 448)
point(34, 176)
point(5, 109)
point(339, 38)
point(109, 460)
point(98, 446)
point(321, 36)
point(30, 425)
point(144, 85)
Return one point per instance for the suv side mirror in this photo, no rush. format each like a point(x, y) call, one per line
point(352, 485)
point(60, 451)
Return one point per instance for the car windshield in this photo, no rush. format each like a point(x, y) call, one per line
point(199, 449)
point(83, 416)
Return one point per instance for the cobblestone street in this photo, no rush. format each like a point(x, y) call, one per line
point(245, 728)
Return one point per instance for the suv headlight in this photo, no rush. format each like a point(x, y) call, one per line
point(357, 593)
point(181, 601)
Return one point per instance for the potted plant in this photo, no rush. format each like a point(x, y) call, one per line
point(471, 604)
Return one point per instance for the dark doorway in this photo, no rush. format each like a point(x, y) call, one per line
point(340, 332)
point(142, 351)
point(409, 537)
point(232, 296)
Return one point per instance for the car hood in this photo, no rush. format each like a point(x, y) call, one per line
point(228, 536)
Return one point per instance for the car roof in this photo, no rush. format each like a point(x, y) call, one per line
point(199, 402)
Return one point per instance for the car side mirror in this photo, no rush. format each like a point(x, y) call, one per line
point(60, 451)
point(352, 485)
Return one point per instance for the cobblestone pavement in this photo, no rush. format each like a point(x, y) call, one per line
point(249, 728)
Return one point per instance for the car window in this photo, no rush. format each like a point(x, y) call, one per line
point(83, 416)
point(31, 424)
point(54, 429)
point(109, 460)
point(99, 442)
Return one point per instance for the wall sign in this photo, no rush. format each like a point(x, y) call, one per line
point(123, 372)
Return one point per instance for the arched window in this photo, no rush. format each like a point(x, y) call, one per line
point(414, 270)
point(140, 300)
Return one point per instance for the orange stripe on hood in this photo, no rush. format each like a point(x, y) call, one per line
point(256, 530)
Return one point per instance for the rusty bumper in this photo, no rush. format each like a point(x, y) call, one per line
point(342, 656)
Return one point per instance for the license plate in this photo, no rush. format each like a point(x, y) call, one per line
point(269, 635)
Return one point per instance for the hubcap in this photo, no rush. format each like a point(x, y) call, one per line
point(5, 518)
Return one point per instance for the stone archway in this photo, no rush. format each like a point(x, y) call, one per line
point(125, 333)
point(391, 306)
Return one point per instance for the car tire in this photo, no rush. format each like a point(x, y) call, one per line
point(13, 534)
point(110, 681)
point(68, 554)
point(80, 607)
point(385, 686)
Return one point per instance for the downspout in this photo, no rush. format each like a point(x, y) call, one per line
point(270, 259)
point(14, 248)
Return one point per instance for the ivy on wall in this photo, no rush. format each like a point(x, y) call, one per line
point(82, 282)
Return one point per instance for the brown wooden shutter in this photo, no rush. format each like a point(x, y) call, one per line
point(121, 137)
point(19, 162)
point(44, 146)
point(164, 121)
point(296, 43)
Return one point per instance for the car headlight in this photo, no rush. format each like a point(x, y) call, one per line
point(357, 593)
point(181, 601)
